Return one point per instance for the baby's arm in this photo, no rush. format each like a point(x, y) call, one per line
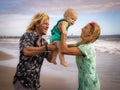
point(62, 26)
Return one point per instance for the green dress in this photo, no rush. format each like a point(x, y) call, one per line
point(55, 32)
point(87, 76)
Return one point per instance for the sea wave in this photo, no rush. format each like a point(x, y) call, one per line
point(101, 45)
point(108, 46)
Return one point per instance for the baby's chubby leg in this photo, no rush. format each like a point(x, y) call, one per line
point(61, 56)
point(62, 60)
point(54, 56)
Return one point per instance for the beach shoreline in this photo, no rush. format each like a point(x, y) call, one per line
point(57, 77)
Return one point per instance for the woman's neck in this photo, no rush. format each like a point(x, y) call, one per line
point(38, 32)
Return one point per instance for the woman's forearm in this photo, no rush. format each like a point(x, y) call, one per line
point(30, 51)
point(70, 45)
point(68, 50)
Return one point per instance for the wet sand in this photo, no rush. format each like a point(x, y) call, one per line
point(57, 77)
point(5, 56)
point(6, 76)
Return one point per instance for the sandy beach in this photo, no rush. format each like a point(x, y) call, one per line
point(57, 77)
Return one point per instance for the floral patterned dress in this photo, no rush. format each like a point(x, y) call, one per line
point(87, 76)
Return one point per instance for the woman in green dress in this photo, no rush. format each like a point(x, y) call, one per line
point(85, 56)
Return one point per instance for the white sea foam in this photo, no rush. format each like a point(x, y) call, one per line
point(9, 40)
point(104, 46)
point(100, 45)
point(108, 46)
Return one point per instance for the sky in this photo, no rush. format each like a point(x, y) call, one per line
point(15, 15)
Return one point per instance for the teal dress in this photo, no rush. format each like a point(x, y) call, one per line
point(55, 32)
point(87, 76)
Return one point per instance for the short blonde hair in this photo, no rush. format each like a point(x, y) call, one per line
point(70, 12)
point(95, 33)
point(38, 18)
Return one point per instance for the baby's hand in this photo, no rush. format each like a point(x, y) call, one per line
point(62, 27)
point(64, 31)
point(55, 43)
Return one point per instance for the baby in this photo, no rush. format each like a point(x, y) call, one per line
point(70, 16)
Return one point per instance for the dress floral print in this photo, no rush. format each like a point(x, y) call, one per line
point(87, 76)
point(29, 67)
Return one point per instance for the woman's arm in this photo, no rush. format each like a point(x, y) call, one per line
point(68, 50)
point(70, 45)
point(30, 51)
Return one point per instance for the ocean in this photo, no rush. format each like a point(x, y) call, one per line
point(108, 44)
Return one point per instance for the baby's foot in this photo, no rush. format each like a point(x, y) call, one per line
point(54, 62)
point(50, 61)
point(64, 64)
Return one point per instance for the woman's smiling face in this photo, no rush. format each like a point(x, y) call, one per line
point(86, 31)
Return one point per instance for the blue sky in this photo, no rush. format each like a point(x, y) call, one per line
point(15, 15)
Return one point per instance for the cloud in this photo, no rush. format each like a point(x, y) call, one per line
point(13, 24)
point(57, 6)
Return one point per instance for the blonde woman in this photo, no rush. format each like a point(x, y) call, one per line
point(33, 49)
point(85, 56)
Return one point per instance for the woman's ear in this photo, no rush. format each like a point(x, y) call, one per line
point(90, 33)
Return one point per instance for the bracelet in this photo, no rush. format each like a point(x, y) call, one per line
point(46, 47)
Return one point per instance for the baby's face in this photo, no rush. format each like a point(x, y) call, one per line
point(72, 18)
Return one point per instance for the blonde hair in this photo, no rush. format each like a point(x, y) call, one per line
point(95, 30)
point(70, 12)
point(38, 18)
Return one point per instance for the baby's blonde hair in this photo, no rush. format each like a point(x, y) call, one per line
point(70, 12)
point(38, 18)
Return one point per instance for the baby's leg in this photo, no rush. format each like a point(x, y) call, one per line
point(54, 55)
point(61, 56)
